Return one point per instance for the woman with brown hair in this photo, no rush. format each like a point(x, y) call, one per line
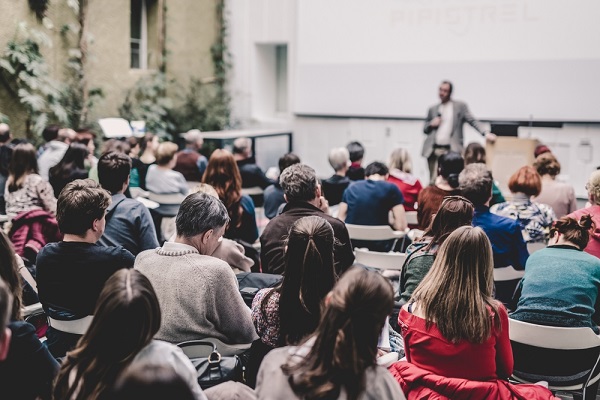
point(126, 318)
point(534, 218)
point(562, 282)
point(558, 195)
point(454, 212)
point(455, 333)
point(339, 360)
point(223, 174)
point(25, 189)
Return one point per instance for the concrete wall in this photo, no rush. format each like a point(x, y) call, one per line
point(269, 22)
point(190, 32)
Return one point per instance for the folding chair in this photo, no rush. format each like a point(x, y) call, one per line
point(380, 260)
point(567, 358)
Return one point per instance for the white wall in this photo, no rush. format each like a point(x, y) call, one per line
point(269, 22)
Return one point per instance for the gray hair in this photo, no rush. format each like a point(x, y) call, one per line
point(241, 145)
point(192, 136)
point(400, 159)
point(475, 182)
point(299, 182)
point(593, 186)
point(339, 158)
point(198, 213)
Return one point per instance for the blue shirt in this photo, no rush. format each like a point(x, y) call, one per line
point(369, 202)
point(129, 224)
point(505, 235)
point(273, 199)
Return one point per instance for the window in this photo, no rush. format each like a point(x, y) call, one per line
point(139, 35)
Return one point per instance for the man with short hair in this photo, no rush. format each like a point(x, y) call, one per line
point(198, 294)
point(190, 163)
point(369, 202)
point(72, 272)
point(303, 195)
point(357, 152)
point(251, 173)
point(334, 187)
point(273, 194)
point(444, 127)
point(128, 222)
point(55, 151)
point(504, 233)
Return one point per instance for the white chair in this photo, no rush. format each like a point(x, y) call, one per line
point(533, 247)
point(166, 199)
point(507, 274)
point(411, 218)
point(253, 191)
point(567, 358)
point(375, 232)
point(380, 260)
point(195, 348)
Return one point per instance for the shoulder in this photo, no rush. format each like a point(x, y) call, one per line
point(22, 330)
point(113, 252)
point(382, 385)
point(247, 202)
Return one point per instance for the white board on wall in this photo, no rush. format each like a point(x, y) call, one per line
point(509, 59)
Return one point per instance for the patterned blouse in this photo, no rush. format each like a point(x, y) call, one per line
point(267, 324)
point(534, 218)
point(35, 194)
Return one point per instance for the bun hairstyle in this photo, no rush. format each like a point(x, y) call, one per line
point(576, 232)
point(547, 164)
point(450, 166)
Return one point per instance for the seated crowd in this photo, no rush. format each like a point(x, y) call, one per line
point(119, 300)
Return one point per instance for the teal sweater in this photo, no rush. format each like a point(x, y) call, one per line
point(560, 288)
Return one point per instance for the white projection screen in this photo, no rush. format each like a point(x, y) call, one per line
point(514, 60)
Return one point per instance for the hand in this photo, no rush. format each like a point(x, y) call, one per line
point(490, 137)
point(323, 204)
point(435, 122)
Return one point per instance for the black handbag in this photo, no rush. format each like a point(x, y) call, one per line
point(251, 282)
point(214, 369)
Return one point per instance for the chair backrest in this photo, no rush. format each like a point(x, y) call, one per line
point(195, 348)
point(175, 198)
point(567, 358)
point(507, 274)
point(533, 247)
point(411, 218)
point(375, 259)
point(375, 232)
point(252, 191)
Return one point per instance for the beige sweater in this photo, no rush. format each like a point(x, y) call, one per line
point(198, 295)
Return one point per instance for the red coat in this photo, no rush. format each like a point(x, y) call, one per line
point(418, 383)
point(32, 230)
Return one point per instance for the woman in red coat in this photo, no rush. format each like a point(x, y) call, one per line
point(455, 333)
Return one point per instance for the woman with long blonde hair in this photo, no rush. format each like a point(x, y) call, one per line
point(454, 331)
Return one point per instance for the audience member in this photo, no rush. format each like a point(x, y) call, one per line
point(534, 218)
point(223, 174)
point(355, 172)
point(446, 184)
point(6, 150)
point(370, 201)
point(161, 178)
point(339, 360)
point(198, 294)
point(333, 187)
point(55, 151)
point(69, 168)
point(121, 334)
point(190, 163)
point(49, 134)
point(455, 334)
point(273, 194)
point(151, 381)
point(593, 189)
point(561, 282)
point(86, 136)
point(303, 195)
point(147, 156)
point(454, 212)
point(16, 274)
point(128, 222)
point(26, 367)
point(251, 173)
point(475, 154)
point(72, 272)
point(286, 314)
point(400, 175)
point(25, 189)
point(560, 196)
point(508, 246)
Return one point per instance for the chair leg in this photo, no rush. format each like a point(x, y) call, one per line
point(590, 393)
